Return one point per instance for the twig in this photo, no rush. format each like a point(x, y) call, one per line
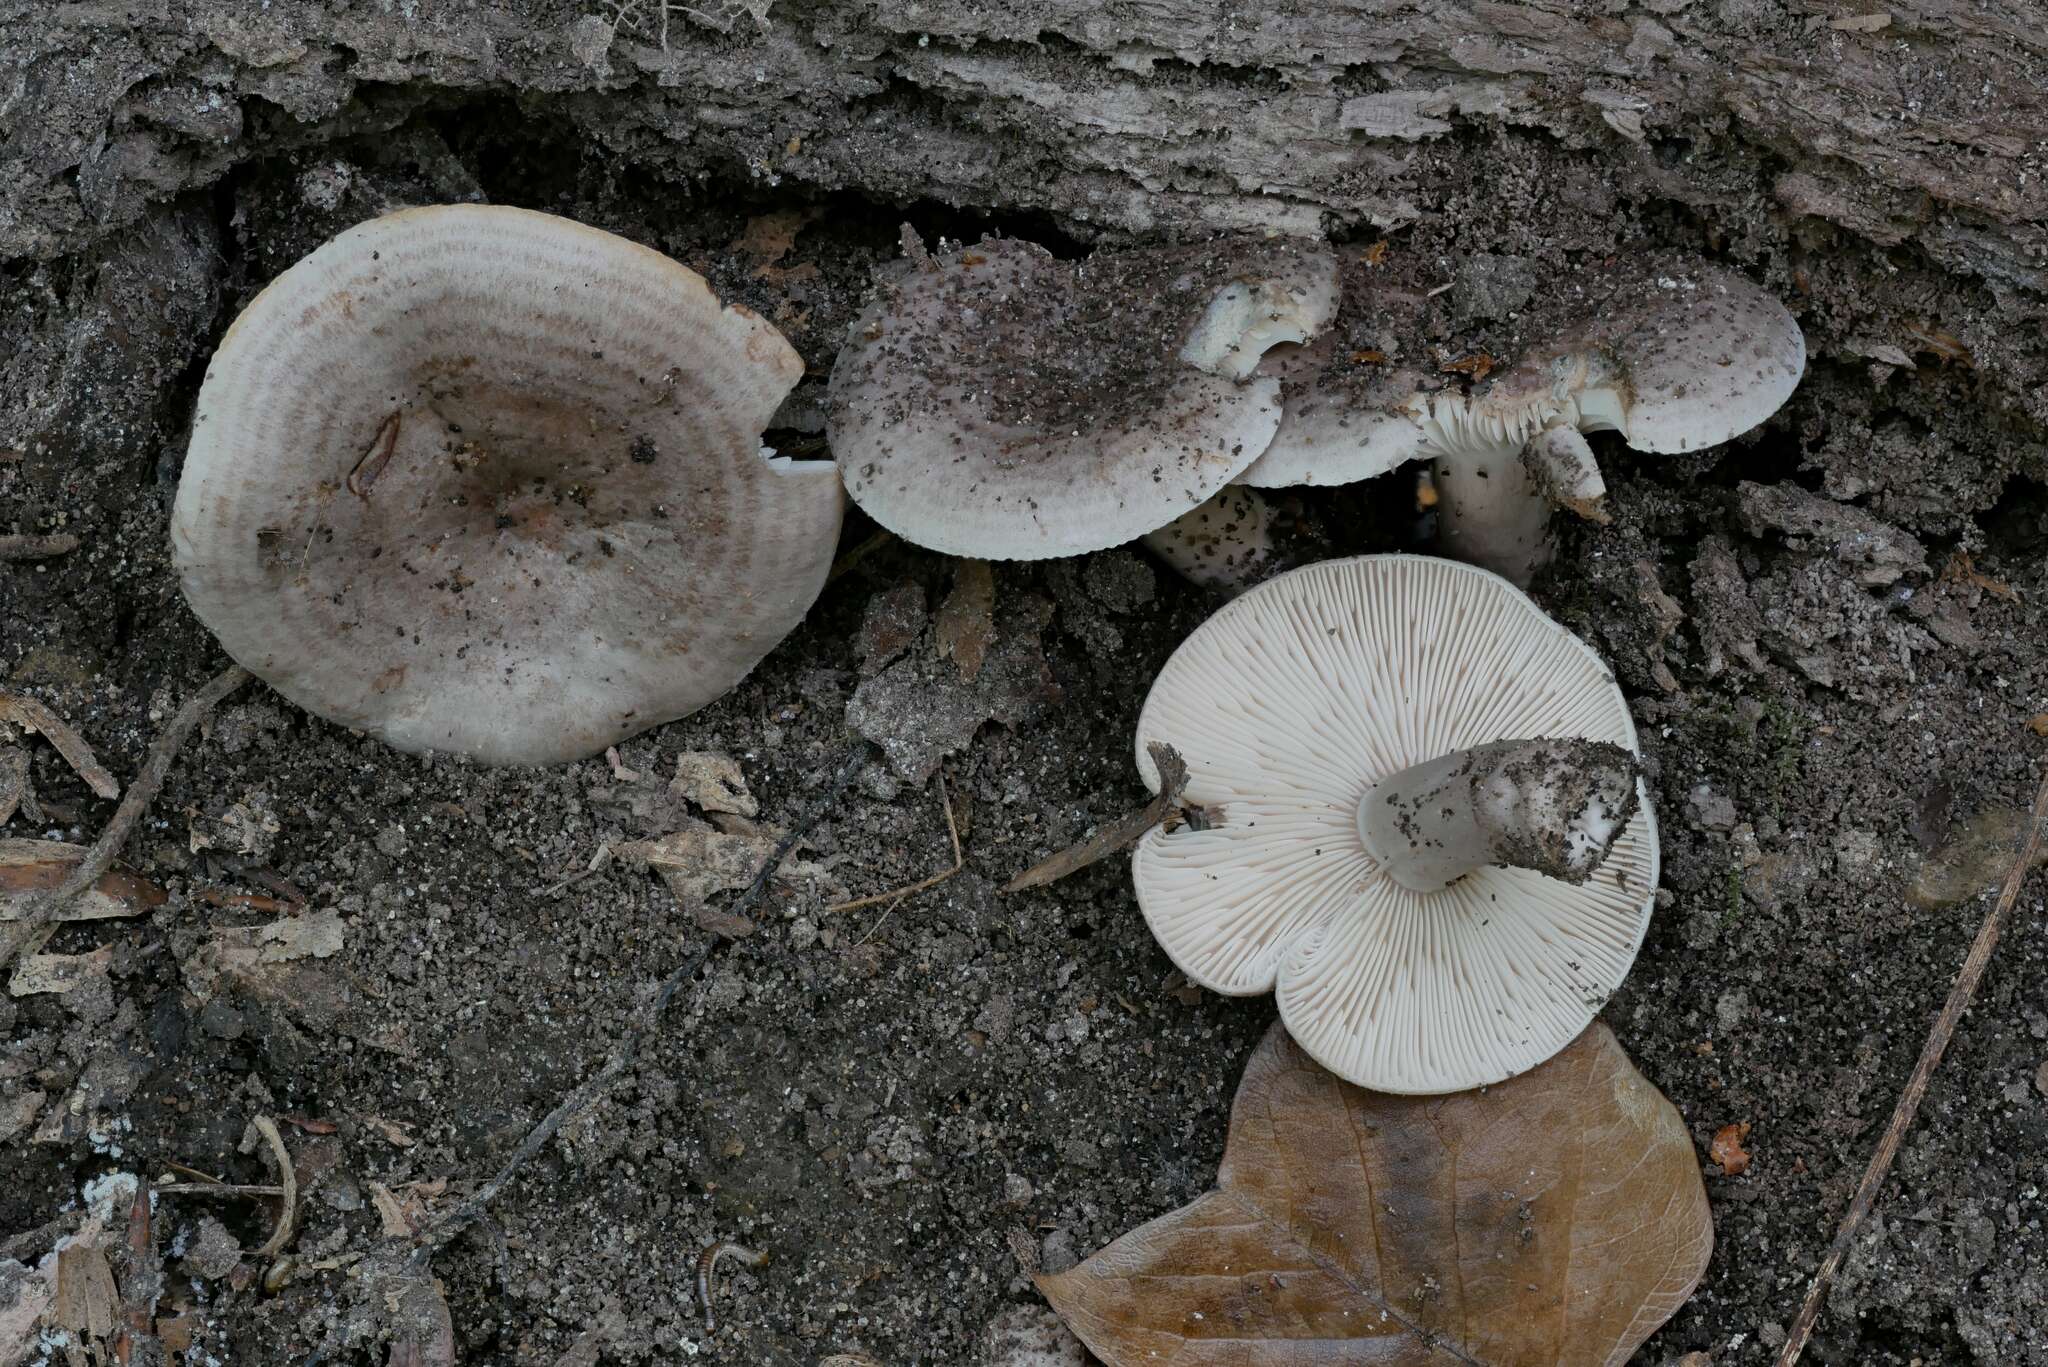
point(288, 1179)
point(242, 901)
point(1959, 998)
point(1173, 780)
point(141, 792)
point(923, 884)
point(13, 547)
point(587, 1094)
point(34, 715)
point(707, 1264)
point(218, 1189)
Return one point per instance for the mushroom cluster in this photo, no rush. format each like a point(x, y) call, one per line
point(1675, 356)
point(490, 482)
point(1001, 403)
point(1426, 830)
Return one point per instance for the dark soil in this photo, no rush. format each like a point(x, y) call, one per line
point(914, 1107)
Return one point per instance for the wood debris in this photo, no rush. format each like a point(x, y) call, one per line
point(1173, 780)
point(15, 793)
point(23, 547)
point(36, 974)
point(34, 716)
point(713, 783)
point(28, 867)
point(965, 627)
point(1726, 1149)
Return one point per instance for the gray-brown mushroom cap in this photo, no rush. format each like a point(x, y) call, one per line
point(486, 481)
point(1000, 403)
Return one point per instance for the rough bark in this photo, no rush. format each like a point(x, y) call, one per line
point(1911, 137)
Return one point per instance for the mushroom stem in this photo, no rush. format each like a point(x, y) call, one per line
point(1225, 544)
point(1492, 510)
point(1571, 477)
point(1554, 806)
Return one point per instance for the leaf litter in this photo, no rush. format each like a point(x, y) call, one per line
point(1557, 1217)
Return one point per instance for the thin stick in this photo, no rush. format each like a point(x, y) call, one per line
point(588, 1093)
point(34, 715)
point(1959, 998)
point(1173, 778)
point(140, 794)
point(288, 1179)
point(217, 1189)
point(37, 547)
point(852, 558)
point(923, 884)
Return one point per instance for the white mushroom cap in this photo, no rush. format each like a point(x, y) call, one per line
point(486, 481)
point(1675, 357)
point(1341, 421)
point(1290, 704)
point(999, 403)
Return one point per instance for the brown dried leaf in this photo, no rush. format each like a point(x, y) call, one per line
point(966, 625)
point(28, 867)
point(700, 860)
point(1558, 1217)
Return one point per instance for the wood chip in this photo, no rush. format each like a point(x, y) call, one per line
point(713, 783)
point(28, 867)
point(34, 716)
point(37, 547)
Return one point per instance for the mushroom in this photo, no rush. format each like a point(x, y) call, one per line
point(1674, 357)
point(1425, 827)
point(1000, 403)
point(489, 482)
point(1349, 398)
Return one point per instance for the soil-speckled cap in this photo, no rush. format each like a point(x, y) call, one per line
point(1000, 403)
point(1675, 356)
point(490, 482)
point(1290, 704)
point(1350, 401)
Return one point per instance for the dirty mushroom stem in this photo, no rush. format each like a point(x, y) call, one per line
point(1554, 806)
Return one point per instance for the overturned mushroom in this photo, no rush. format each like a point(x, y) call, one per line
point(1427, 832)
point(1000, 403)
point(486, 481)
